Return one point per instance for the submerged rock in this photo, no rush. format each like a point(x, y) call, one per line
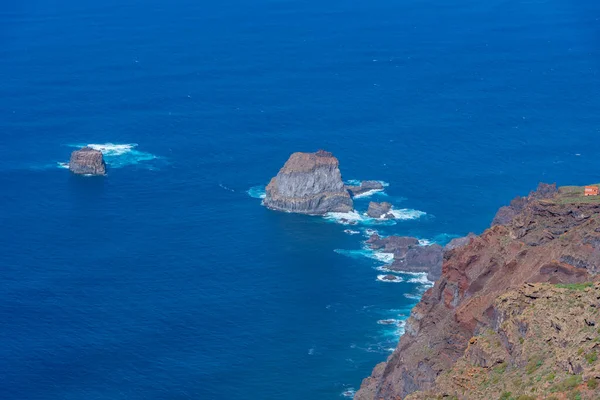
point(380, 210)
point(87, 161)
point(309, 183)
point(364, 187)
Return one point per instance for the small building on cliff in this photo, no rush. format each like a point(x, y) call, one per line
point(591, 191)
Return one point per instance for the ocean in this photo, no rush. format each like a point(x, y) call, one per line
point(167, 279)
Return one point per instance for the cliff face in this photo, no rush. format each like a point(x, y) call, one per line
point(309, 183)
point(543, 343)
point(552, 239)
point(87, 161)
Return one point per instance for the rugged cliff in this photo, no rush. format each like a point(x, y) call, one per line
point(309, 183)
point(87, 161)
point(543, 343)
point(551, 238)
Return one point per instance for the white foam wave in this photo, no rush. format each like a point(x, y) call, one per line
point(390, 321)
point(257, 192)
point(63, 165)
point(112, 149)
point(120, 155)
point(354, 217)
point(351, 232)
point(347, 218)
point(412, 296)
point(370, 232)
point(396, 279)
point(406, 214)
point(425, 242)
point(349, 393)
point(421, 281)
point(386, 258)
point(369, 193)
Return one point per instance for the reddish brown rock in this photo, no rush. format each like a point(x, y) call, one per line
point(552, 238)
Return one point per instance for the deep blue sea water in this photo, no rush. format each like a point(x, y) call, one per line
point(165, 279)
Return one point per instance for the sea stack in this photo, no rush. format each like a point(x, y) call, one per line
point(309, 183)
point(87, 161)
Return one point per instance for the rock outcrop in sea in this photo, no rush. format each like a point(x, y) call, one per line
point(380, 210)
point(309, 183)
point(365, 187)
point(410, 255)
point(87, 161)
point(552, 237)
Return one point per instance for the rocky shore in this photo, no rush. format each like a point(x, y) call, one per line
point(309, 183)
point(551, 236)
point(410, 255)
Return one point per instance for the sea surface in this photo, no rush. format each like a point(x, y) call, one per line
point(167, 279)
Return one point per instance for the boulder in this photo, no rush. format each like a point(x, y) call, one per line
point(87, 161)
point(309, 183)
point(380, 210)
point(364, 187)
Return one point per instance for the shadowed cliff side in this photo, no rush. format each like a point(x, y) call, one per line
point(552, 238)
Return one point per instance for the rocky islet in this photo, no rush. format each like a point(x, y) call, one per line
point(87, 161)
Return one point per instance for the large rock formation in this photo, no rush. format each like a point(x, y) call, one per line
point(552, 238)
point(87, 161)
point(309, 183)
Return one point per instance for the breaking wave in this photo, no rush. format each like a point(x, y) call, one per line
point(354, 217)
point(257, 192)
point(386, 258)
point(407, 213)
point(369, 193)
point(119, 155)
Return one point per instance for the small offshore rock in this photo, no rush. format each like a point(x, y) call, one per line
point(87, 161)
point(380, 210)
point(364, 187)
